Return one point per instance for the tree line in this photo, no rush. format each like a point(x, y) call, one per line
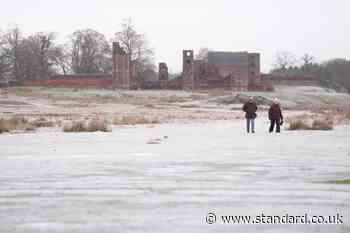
point(333, 73)
point(40, 55)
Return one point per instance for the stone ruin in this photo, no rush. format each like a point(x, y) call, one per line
point(163, 75)
point(123, 72)
point(237, 71)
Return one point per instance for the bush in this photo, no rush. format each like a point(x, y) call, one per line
point(134, 120)
point(42, 122)
point(298, 125)
point(346, 115)
point(98, 125)
point(3, 128)
point(15, 123)
point(323, 124)
point(93, 125)
point(317, 124)
point(75, 126)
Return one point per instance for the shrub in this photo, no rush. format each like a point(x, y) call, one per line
point(3, 126)
point(15, 123)
point(75, 126)
point(298, 125)
point(322, 124)
point(42, 122)
point(317, 124)
point(98, 125)
point(67, 126)
point(346, 115)
point(189, 106)
point(93, 125)
point(149, 106)
point(134, 120)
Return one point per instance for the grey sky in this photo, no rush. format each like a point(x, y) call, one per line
point(317, 27)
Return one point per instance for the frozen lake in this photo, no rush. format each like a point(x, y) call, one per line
point(117, 182)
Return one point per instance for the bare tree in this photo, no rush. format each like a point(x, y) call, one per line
point(38, 53)
point(136, 45)
point(5, 65)
point(307, 59)
point(308, 62)
point(12, 46)
point(202, 53)
point(90, 52)
point(31, 57)
point(284, 60)
point(41, 48)
point(62, 59)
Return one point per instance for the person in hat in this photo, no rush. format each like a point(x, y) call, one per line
point(275, 116)
point(250, 109)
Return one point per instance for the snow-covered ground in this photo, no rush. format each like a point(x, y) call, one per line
point(167, 178)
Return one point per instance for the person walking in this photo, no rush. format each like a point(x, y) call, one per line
point(250, 109)
point(275, 116)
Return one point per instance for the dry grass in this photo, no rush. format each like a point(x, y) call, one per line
point(93, 125)
point(343, 116)
point(14, 124)
point(42, 122)
point(338, 115)
point(175, 99)
point(347, 115)
point(298, 125)
point(322, 124)
point(317, 124)
point(149, 106)
point(189, 106)
point(215, 92)
point(98, 125)
point(73, 126)
point(134, 120)
point(23, 124)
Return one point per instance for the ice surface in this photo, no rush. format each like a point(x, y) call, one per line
point(116, 182)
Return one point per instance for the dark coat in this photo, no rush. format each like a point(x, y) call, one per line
point(250, 109)
point(275, 112)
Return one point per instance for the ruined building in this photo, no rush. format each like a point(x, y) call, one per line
point(238, 71)
point(163, 75)
point(123, 72)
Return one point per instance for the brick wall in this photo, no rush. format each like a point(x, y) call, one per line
point(75, 81)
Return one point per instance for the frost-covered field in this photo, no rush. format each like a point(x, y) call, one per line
point(307, 97)
point(167, 178)
point(57, 105)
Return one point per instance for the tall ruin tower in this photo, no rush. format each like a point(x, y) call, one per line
point(254, 69)
point(188, 69)
point(121, 68)
point(163, 75)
